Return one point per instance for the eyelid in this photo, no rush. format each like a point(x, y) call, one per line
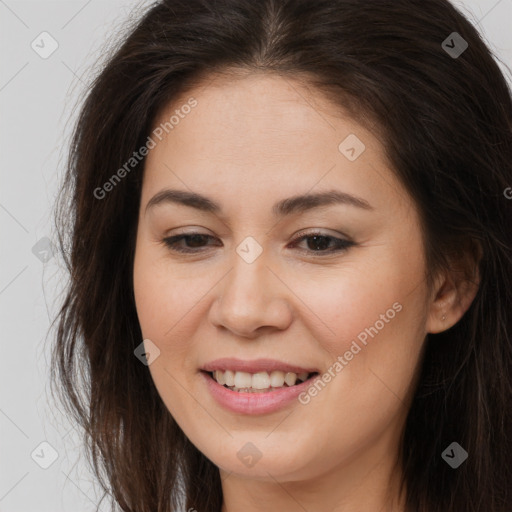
point(320, 232)
point(343, 243)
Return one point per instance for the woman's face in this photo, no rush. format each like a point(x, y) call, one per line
point(258, 296)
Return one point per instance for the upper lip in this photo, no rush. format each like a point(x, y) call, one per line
point(254, 366)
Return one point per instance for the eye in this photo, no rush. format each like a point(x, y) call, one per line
point(317, 243)
point(195, 239)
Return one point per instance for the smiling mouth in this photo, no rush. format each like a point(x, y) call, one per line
point(260, 382)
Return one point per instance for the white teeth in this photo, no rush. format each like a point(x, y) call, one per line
point(243, 380)
point(290, 378)
point(229, 377)
point(219, 377)
point(277, 379)
point(257, 381)
point(260, 380)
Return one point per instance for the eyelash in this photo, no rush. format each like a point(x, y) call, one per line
point(342, 244)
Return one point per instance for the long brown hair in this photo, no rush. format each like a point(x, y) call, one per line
point(446, 123)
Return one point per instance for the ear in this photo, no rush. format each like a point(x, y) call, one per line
point(455, 288)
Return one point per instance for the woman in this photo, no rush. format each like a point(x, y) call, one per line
point(291, 263)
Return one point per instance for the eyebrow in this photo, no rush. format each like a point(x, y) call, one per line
point(289, 206)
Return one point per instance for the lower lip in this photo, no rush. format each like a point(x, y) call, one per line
point(254, 403)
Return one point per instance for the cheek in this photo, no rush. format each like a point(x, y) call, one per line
point(171, 307)
point(161, 293)
point(363, 298)
point(372, 360)
point(167, 310)
point(372, 320)
point(159, 299)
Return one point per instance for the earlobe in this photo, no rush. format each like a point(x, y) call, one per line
point(440, 316)
point(454, 292)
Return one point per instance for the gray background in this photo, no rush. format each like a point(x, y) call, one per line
point(37, 96)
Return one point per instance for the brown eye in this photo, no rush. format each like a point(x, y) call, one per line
point(317, 243)
point(321, 243)
point(193, 241)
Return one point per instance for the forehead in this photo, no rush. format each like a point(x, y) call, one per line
point(266, 134)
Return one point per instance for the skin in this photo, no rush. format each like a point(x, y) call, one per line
point(250, 142)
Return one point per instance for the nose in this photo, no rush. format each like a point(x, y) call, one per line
point(251, 301)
